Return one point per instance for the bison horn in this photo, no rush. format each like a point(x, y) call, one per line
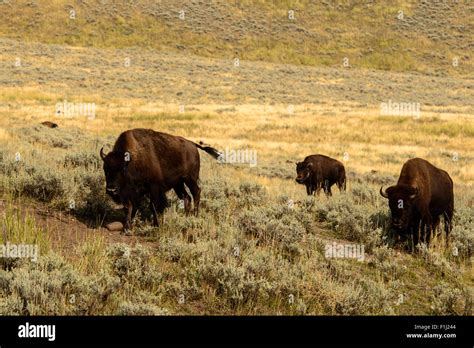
point(383, 193)
point(102, 154)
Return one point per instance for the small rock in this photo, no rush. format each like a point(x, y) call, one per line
point(115, 226)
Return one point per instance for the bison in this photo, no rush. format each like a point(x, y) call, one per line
point(145, 162)
point(421, 196)
point(49, 124)
point(319, 171)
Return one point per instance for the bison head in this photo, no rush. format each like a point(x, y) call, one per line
point(400, 201)
point(115, 166)
point(303, 171)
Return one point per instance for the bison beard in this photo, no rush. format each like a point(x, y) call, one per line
point(145, 162)
point(318, 172)
point(421, 196)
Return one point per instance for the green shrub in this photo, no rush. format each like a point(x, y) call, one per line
point(44, 185)
point(386, 264)
point(134, 265)
point(462, 234)
point(88, 160)
point(287, 233)
point(52, 287)
point(250, 194)
point(253, 222)
point(91, 199)
point(450, 300)
point(130, 308)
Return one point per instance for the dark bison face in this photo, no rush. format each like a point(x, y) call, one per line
point(115, 165)
point(400, 201)
point(303, 171)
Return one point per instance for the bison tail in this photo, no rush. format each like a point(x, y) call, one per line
point(210, 150)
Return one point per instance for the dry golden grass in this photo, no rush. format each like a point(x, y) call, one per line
point(372, 142)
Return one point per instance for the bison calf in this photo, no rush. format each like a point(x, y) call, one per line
point(319, 171)
point(421, 196)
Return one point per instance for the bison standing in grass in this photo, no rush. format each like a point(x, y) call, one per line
point(49, 124)
point(319, 171)
point(421, 196)
point(145, 162)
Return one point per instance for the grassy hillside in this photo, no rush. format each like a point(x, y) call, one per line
point(423, 36)
point(258, 246)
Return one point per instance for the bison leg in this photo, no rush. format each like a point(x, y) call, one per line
point(422, 228)
point(435, 225)
point(318, 189)
point(183, 195)
point(416, 238)
point(341, 185)
point(448, 218)
point(130, 211)
point(153, 212)
point(425, 232)
point(158, 203)
point(416, 229)
point(134, 212)
point(327, 188)
point(309, 189)
point(420, 234)
point(429, 229)
point(196, 192)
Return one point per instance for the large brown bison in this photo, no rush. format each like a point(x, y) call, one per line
point(319, 171)
point(421, 196)
point(145, 162)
